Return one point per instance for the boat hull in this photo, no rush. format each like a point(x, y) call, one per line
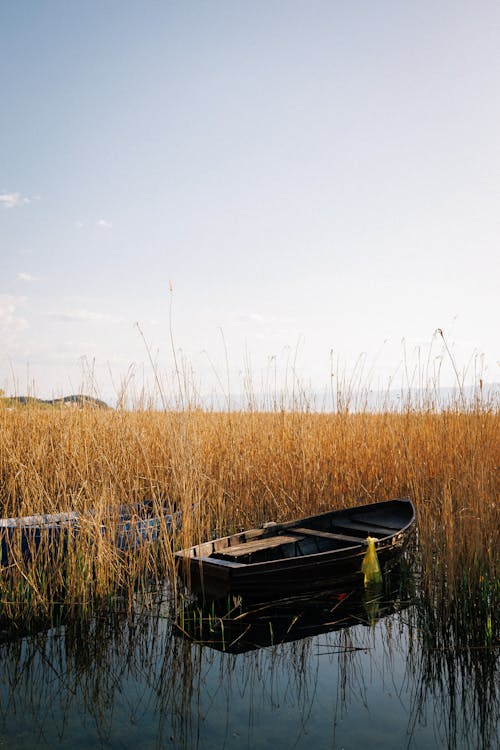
point(23, 538)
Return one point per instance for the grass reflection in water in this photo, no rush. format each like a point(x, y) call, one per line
point(335, 671)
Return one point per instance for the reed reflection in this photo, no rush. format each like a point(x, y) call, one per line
point(327, 666)
point(453, 655)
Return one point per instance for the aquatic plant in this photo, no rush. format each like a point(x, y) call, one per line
point(231, 470)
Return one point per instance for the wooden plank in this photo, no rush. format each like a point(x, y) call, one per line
point(389, 523)
point(330, 535)
point(217, 561)
point(365, 527)
point(247, 548)
point(43, 520)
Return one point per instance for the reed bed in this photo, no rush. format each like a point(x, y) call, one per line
point(230, 470)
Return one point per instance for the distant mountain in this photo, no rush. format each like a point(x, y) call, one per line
point(74, 401)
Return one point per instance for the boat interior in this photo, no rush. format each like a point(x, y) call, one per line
point(308, 537)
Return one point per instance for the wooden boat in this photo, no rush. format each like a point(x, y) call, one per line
point(308, 554)
point(130, 527)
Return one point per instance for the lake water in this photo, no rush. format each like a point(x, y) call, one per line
point(361, 677)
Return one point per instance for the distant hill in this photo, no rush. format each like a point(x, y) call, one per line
point(73, 401)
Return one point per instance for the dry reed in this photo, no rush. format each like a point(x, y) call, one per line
point(232, 470)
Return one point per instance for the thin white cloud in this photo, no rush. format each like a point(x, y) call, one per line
point(86, 316)
point(11, 323)
point(104, 224)
point(71, 350)
point(22, 276)
point(12, 200)
point(266, 320)
point(251, 317)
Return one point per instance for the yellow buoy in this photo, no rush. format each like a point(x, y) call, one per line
point(370, 565)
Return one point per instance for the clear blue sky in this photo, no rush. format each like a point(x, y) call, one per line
point(309, 176)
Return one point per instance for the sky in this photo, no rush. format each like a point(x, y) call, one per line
point(266, 192)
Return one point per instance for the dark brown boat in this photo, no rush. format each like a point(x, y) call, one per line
point(308, 554)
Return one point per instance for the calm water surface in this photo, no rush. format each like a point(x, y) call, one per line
point(122, 682)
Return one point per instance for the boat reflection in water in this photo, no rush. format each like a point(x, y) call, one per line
point(231, 626)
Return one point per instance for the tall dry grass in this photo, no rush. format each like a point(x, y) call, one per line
point(229, 471)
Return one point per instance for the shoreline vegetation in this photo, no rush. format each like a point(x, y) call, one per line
point(230, 470)
point(79, 400)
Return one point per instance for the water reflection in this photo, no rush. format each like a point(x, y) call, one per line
point(362, 675)
point(233, 626)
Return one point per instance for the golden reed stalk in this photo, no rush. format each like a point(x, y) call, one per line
point(233, 470)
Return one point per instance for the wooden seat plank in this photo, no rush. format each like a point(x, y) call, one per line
point(247, 548)
point(329, 535)
point(365, 527)
point(388, 523)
